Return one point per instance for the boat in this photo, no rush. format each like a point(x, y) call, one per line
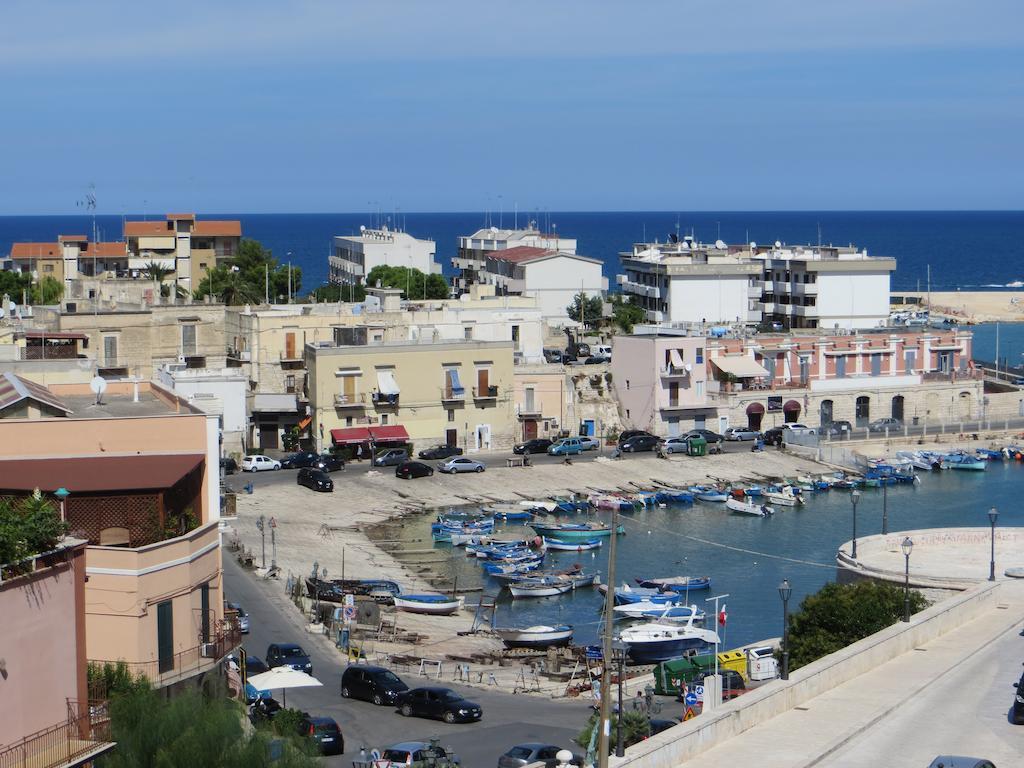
point(436, 605)
point(625, 595)
point(520, 589)
point(917, 460)
point(676, 495)
point(575, 570)
point(677, 583)
point(783, 495)
point(334, 591)
point(662, 641)
point(708, 493)
point(989, 455)
point(748, 508)
point(645, 609)
point(540, 636)
point(574, 531)
point(524, 566)
point(572, 546)
point(514, 515)
point(961, 460)
point(613, 501)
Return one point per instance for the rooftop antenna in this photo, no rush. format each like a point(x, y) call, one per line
point(98, 385)
point(515, 216)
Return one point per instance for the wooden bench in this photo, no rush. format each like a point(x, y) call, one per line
point(514, 461)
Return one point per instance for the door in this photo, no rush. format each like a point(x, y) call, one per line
point(876, 365)
point(348, 384)
point(673, 427)
point(204, 608)
point(673, 393)
point(451, 437)
point(165, 636)
point(110, 350)
point(909, 358)
point(805, 371)
point(863, 411)
point(188, 340)
point(528, 402)
point(588, 428)
point(268, 436)
point(483, 437)
point(897, 407)
point(432, 704)
point(699, 421)
point(289, 347)
point(825, 413)
point(841, 367)
point(482, 382)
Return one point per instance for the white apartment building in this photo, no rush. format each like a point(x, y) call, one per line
point(827, 286)
point(471, 261)
point(551, 277)
point(355, 256)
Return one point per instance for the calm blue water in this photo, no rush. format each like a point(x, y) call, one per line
point(1011, 343)
point(655, 545)
point(964, 249)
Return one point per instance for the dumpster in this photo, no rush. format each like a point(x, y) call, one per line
point(696, 446)
point(761, 663)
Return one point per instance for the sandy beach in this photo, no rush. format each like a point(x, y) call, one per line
point(974, 306)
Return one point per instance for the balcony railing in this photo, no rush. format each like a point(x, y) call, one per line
point(452, 394)
point(381, 400)
point(670, 371)
point(354, 400)
point(295, 356)
point(84, 735)
point(239, 354)
point(486, 393)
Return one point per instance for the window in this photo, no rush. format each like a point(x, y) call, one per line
point(349, 421)
point(467, 332)
point(627, 413)
point(451, 415)
point(289, 383)
point(188, 340)
point(165, 636)
point(700, 355)
point(627, 383)
point(841, 367)
point(515, 335)
point(110, 350)
point(383, 419)
point(47, 267)
point(698, 388)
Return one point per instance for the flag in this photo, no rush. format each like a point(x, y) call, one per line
point(722, 616)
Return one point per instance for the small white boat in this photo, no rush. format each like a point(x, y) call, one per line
point(435, 605)
point(540, 636)
point(748, 508)
point(646, 609)
point(784, 496)
point(662, 641)
point(540, 590)
point(916, 459)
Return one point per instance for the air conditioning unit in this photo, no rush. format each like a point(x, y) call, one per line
point(208, 650)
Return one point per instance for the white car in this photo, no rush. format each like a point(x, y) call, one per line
point(259, 463)
point(800, 429)
point(589, 443)
point(461, 464)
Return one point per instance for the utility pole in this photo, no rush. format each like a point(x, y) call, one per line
point(604, 737)
point(266, 284)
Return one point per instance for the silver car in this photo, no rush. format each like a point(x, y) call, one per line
point(741, 433)
point(533, 752)
point(461, 464)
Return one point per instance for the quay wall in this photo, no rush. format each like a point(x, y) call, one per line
point(689, 739)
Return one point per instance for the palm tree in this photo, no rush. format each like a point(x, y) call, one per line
point(158, 272)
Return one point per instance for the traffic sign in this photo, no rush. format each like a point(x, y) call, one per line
point(690, 714)
point(690, 699)
point(349, 613)
point(594, 652)
point(699, 691)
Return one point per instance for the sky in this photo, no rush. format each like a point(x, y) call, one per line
point(302, 106)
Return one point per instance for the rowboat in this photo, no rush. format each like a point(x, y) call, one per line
point(662, 611)
point(436, 605)
point(509, 578)
point(677, 495)
point(661, 641)
point(677, 583)
point(612, 501)
point(627, 594)
point(962, 460)
point(540, 636)
point(708, 493)
point(495, 569)
point(783, 496)
point(539, 590)
point(575, 531)
point(572, 546)
point(748, 508)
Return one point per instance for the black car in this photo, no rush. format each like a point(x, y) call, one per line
point(595, 360)
point(536, 445)
point(228, 465)
point(298, 460)
point(627, 434)
point(1017, 715)
point(254, 665)
point(838, 429)
point(639, 443)
point(772, 436)
point(408, 470)
point(376, 684)
point(328, 462)
point(323, 732)
point(443, 703)
point(553, 355)
point(440, 452)
point(289, 654)
point(315, 479)
point(713, 438)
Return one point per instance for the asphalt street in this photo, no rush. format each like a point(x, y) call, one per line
point(508, 719)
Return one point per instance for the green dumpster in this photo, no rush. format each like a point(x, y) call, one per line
point(696, 446)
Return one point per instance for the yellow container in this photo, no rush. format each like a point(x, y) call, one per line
point(734, 660)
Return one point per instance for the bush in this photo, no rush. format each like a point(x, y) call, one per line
point(29, 526)
point(635, 728)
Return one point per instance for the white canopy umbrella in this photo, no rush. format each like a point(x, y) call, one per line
point(282, 678)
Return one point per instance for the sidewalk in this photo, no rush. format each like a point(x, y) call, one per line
point(814, 732)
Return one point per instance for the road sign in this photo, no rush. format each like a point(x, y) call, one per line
point(690, 699)
point(698, 691)
point(690, 714)
point(349, 613)
point(594, 652)
point(350, 600)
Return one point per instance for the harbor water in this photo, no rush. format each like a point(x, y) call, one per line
point(746, 557)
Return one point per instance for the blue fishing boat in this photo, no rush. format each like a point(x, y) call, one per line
point(575, 531)
point(961, 460)
point(677, 583)
point(572, 546)
point(990, 455)
point(708, 493)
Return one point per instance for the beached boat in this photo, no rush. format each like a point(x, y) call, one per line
point(748, 508)
point(540, 636)
point(676, 495)
point(572, 546)
point(662, 641)
point(436, 605)
point(574, 531)
point(677, 583)
point(334, 591)
point(708, 493)
point(645, 609)
point(784, 496)
point(613, 501)
point(526, 589)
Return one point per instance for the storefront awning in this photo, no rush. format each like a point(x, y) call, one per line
point(741, 366)
point(386, 383)
point(98, 474)
point(395, 433)
point(350, 435)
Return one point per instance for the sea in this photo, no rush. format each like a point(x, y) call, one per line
point(972, 250)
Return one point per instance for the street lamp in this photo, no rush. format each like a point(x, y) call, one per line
point(619, 651)
point(907, 546)
point(992, 515)
point(854, 498)
point(785, 591)
point(885, 506)
point(62, 493)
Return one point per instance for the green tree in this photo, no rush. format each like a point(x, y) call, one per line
point(840, 614)
point(414, 283)
point(331, 292)
point(591, 309)
point(247, 276)
point(29, 526)
point(158, 273)
point(47, 291)
point(14, 284)
point(625, 314)
point(635, 728)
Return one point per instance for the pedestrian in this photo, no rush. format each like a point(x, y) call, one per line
point(617, 453)
point(359, 452)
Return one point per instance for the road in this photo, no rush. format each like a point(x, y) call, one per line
point(508, 719)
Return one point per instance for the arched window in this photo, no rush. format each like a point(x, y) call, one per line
point(897, 407)
point(825, 413)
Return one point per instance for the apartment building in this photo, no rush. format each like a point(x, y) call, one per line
point(552, 277)
point(135, 475)
point(660, 383)
point(684, 281)
point(426, 392)
point(818, 378)
point(187, 246)
point(355, 256)
point(471, 261)
point(70, 258)
point(544, 401)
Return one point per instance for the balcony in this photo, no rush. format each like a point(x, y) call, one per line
point(83, 737)
point(381, 400)
point(239, 355)
point(294, 356)
point(453, 394)
point(486, 393)
point(805, 289)
point(671, 372)
point(530, 411)
point(354, 400)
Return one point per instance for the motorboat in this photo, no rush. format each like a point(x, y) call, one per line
point(964, 461)
point(748, 508)
point(435, 605)
point(708, 493)
point(677, 583)
point(645, 609)
point(662, 641)
point(783, 496)
point(540, 636)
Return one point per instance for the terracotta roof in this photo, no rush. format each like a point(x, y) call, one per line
point(35, 251)
point(106, 249)
point(218, 228)
point(143, 228)
point(96, 474)
point(179, 216)
point(14, 389)
point(520, 253)
point(71, 238)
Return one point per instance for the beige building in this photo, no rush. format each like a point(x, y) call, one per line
point(138, 480)
point(182, 243)
point(454, 392)
point(544, 402)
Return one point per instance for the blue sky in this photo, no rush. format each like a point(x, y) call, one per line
point(564, 104)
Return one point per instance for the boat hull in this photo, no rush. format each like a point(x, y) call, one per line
point(535, 637)
point(409, 604)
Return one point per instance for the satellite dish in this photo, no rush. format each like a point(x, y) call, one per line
point(362, 227)
point(494, 230)
point(98, 385)
point(720, 245)
point(753, 245)
point(688, 367)
point(778, 243)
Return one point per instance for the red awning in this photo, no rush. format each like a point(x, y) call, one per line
point(350, 435)
point(97, 474)
point(389, 434)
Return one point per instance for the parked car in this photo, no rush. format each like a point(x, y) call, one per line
point(376, 684)
point(732, 681)
point(595, 360)
point(639, 443)
point(289, 654)
point(566, 446)
point(837, 429)
point(657, 726)
point(259, 463)
point(324, 732)
point(534, 752)
point(228, 465)
point(420, 752)
point(677, 444)
point(536, 445)
point(553, 355)
point(713, 438)
point(328, 462)
point(299, 460)
point(741, 433)
point(880, 425)
point(799, 429)
point(390, 457)
point(443, 703)
point(243, 617)
point(956, 761)
point(440, 452)
point(589, 443)
point(254, 666)
point(315, 479)
point(461, 464)
point(408, 470)
point(1018, 703)
point(602, 350)
point(626, 434)
point(772, 436)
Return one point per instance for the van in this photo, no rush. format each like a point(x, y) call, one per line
point(601, 350)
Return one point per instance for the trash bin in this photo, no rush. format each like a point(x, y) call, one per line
point(914, 420)
point(696, 446)
point(761, 663)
